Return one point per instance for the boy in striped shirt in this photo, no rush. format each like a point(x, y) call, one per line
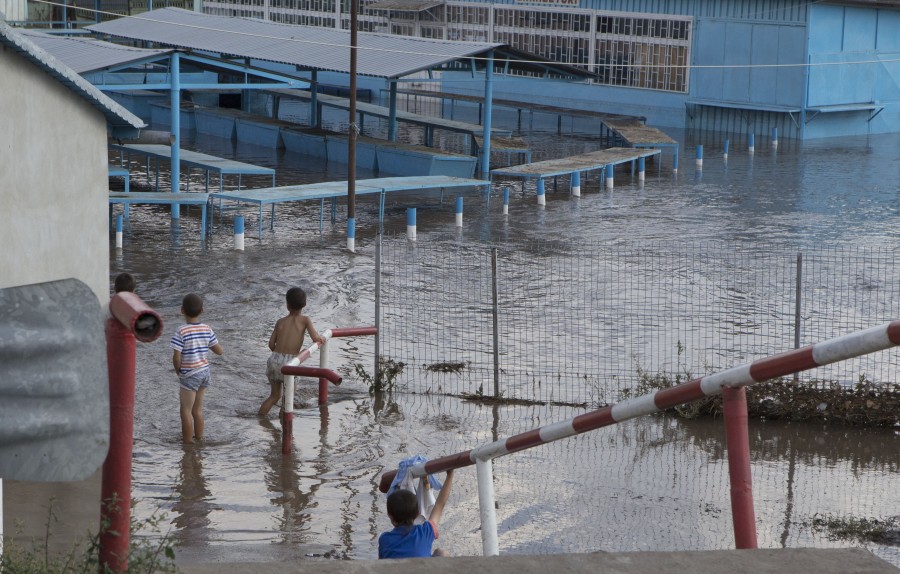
point(190, 345)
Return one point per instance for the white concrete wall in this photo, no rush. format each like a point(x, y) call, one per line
point(53, 181)
point(14, 9)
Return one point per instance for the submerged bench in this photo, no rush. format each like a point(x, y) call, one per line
point(335, 189)
point(157, 198)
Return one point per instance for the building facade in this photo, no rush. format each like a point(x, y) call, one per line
point(810, 69)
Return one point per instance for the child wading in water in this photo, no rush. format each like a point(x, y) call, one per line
point(190, 345)
point(286, 342)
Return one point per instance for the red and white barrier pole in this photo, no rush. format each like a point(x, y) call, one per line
point(131, 319)
point(736, 378)
point(293, 369)
point(737, 443)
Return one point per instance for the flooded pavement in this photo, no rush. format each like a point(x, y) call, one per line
point(658, 483)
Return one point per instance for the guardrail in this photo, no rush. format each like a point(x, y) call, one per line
point(293, 368)
point(730, 383)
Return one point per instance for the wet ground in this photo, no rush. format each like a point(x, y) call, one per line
point(651, 484)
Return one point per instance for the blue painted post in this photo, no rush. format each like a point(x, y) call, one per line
point(488, 98)
point(700, 156)
point(751, 143)
point(576, 184)
point(392, 119)
point(175, 102)
point(314, 99)
point(610, 176)
point(541, 197)
point(411, 223)
point(238, 232)
point(675, 161)
point(118, 232)
point(459, 211)
point(725, 155)
point(775, 137)
point(351, 234)
point(642, 164)
point(506, 200)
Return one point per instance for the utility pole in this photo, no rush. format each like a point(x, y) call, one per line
point(354, 131)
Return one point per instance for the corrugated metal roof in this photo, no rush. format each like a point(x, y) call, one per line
point(404, 5)
point(87, 54)
point(379, 55)
point(120, 120)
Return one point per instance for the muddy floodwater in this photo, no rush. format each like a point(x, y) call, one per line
point(657, 483)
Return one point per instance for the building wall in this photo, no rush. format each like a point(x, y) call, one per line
point(53, 182)
point(14, 10)
point(841, 34)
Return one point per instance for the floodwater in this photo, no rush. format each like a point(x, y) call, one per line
point(657, 483)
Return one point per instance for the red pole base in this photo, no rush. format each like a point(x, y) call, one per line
point(287, 432)
point(737, 437)
point(115, 489)
point(323, 392)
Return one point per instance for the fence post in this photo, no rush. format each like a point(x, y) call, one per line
point(323, 382)
point(737, 443)
point(496, 321)
point(797, 307)
point(377, 302)
point(287, 414)
point(484, 472)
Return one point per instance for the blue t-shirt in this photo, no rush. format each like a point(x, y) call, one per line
point(408, 542)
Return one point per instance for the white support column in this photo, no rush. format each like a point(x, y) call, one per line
point(485, 474)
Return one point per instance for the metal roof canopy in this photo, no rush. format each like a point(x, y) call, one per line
point(312, 48)
point(85, 55)
point(120, 121)
point(91, 55)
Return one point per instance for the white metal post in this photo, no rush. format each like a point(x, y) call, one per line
point(485, 474)
point(288, 399)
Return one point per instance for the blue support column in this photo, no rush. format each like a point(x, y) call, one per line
point(488, 98)
point(314, 99)
point(700, 156)
point(392, 119)
point(459, 211)
point(411, 223)
point(175, 102)
point(725, 154)
point(751, 143)
point(238, 232)
point(351, 234)
point(541, 196)
point(119, 231)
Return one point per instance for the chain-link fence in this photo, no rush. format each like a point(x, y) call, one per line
point(549, 322)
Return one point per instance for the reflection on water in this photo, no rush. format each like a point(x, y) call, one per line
point(192, 500)
point(653, 484)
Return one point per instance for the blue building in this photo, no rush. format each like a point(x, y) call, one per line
point(810, 69)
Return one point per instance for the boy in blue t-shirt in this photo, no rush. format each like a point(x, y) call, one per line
point(407, 540)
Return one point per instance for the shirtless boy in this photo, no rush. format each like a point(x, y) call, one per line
point(286, 342)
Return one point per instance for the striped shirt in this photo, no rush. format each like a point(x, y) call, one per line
point(193, 341)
